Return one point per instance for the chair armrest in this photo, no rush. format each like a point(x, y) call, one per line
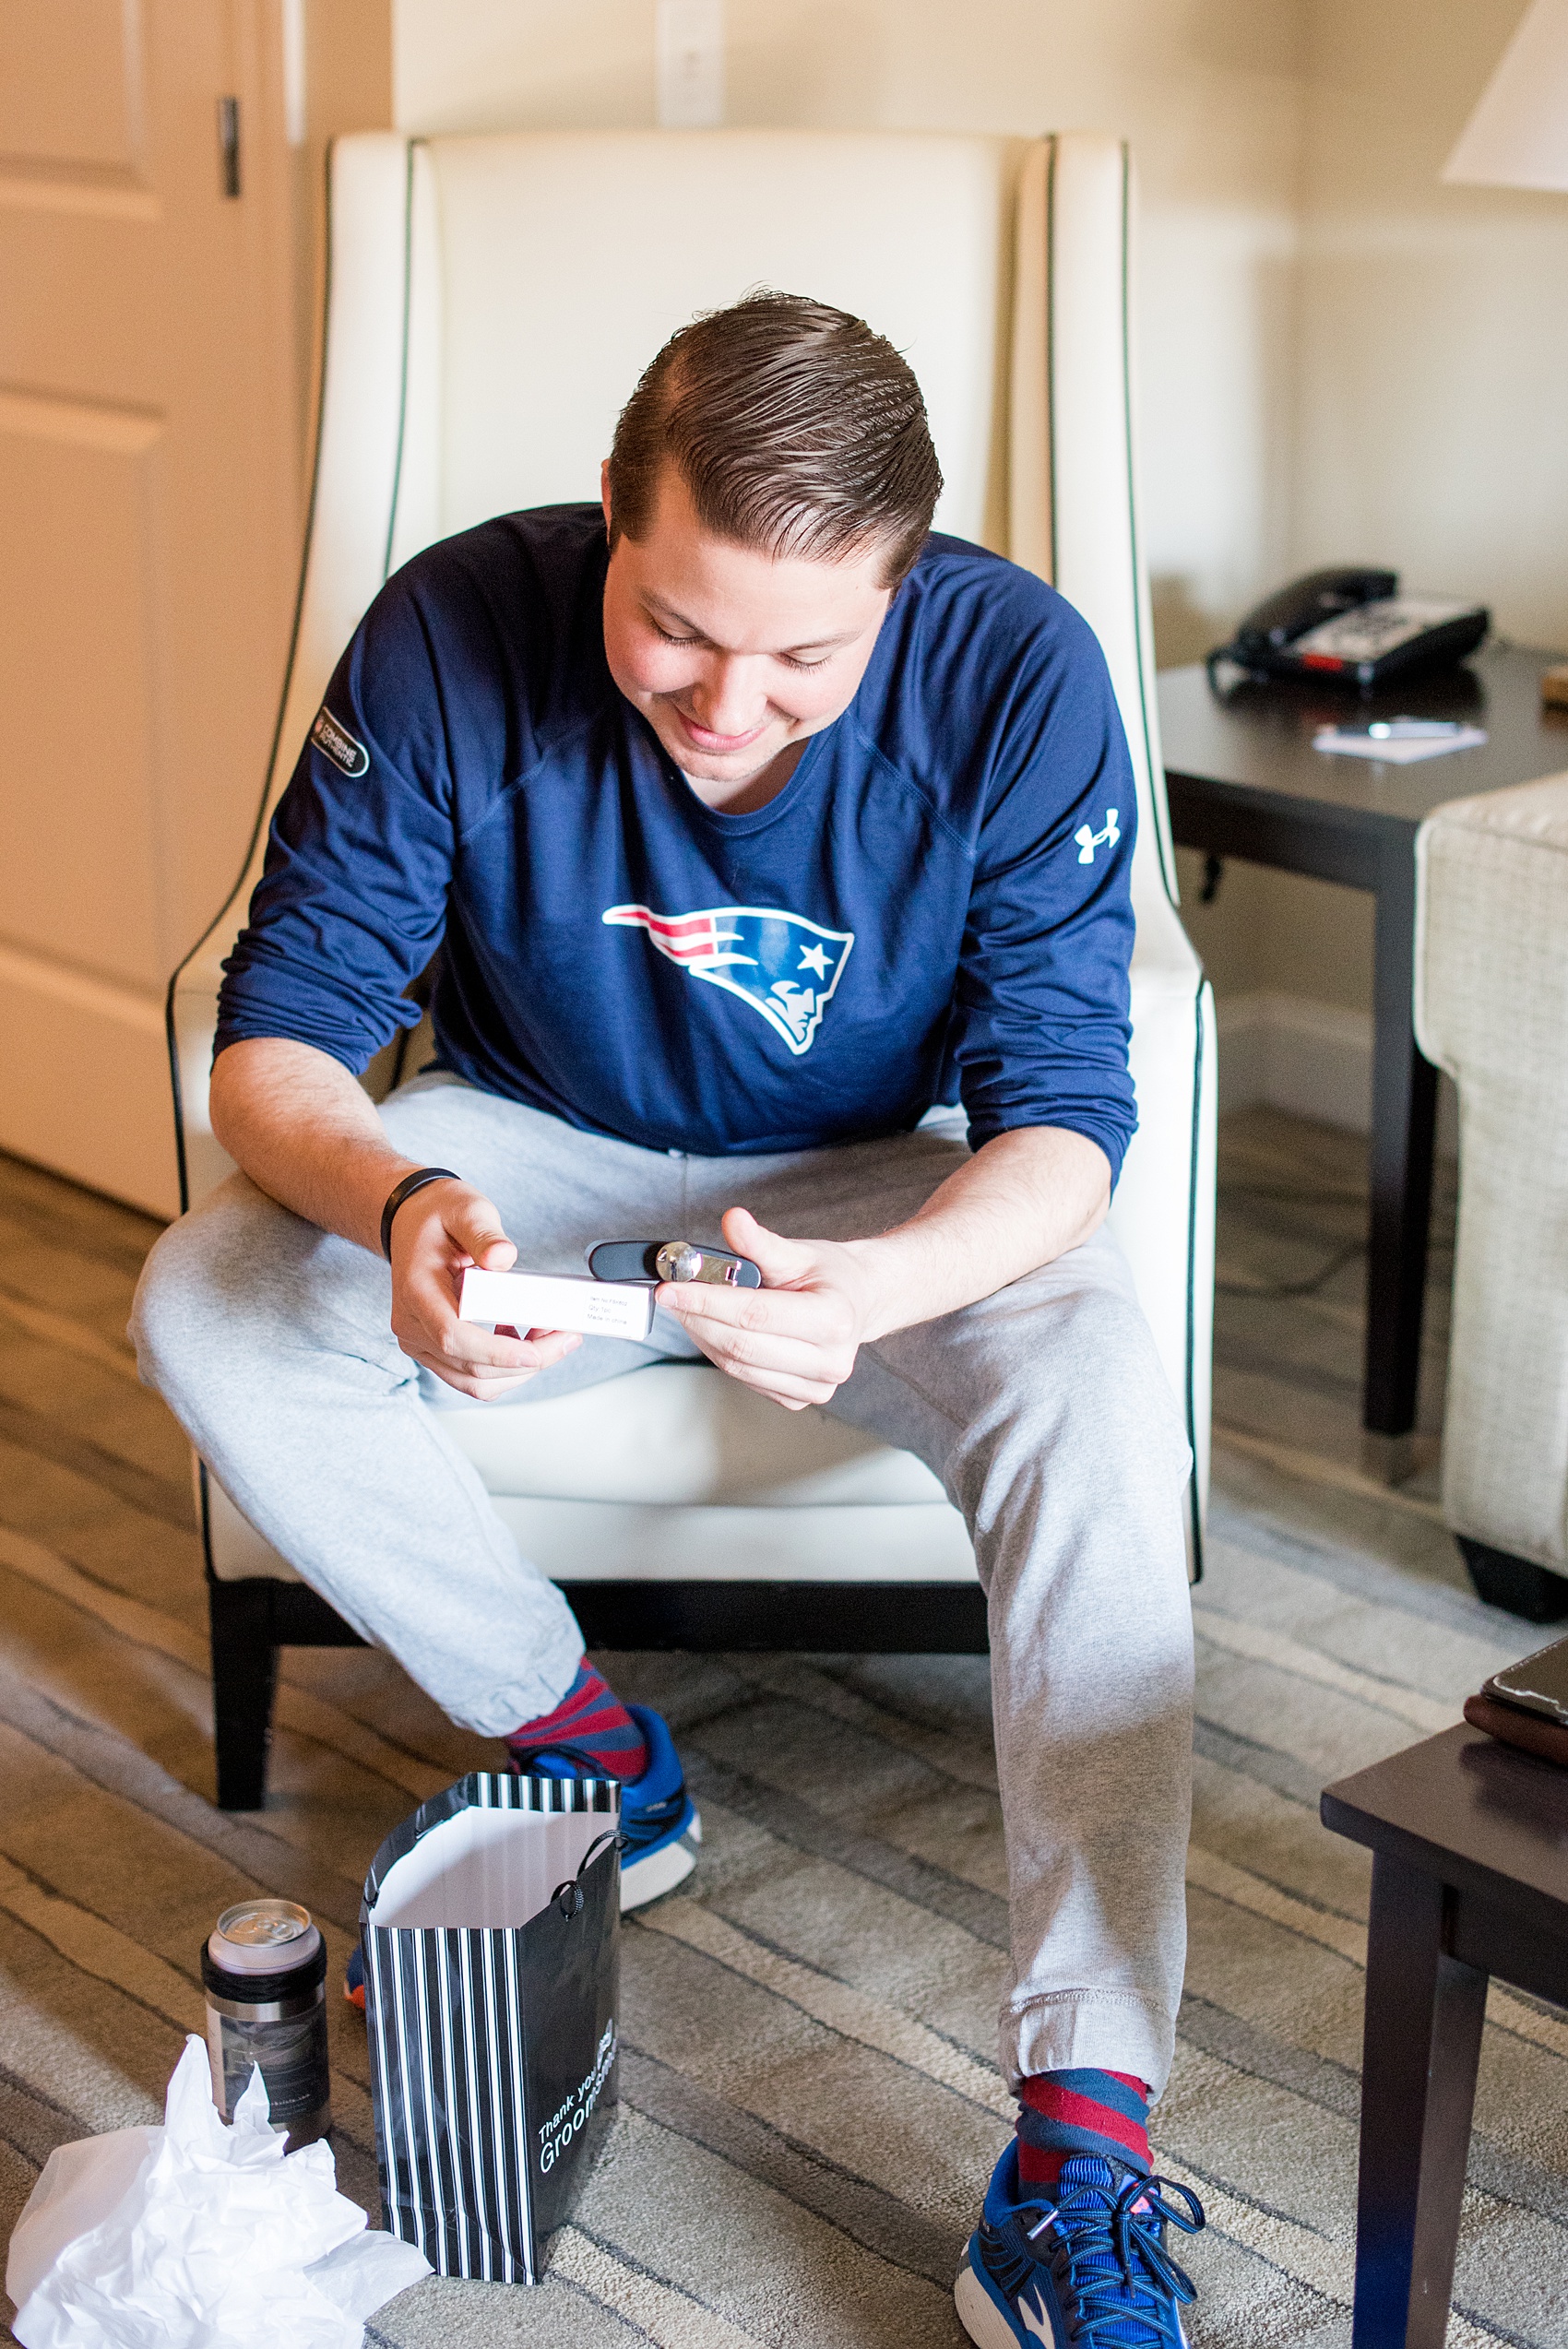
point(1163, 1212)
point(193, 1024)
point(354, 499)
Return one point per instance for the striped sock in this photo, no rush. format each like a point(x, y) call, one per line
point(591, 1718)
point(1064, 2113)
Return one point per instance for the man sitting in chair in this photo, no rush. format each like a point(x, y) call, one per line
point(779, 854)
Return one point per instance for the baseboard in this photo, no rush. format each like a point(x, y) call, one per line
point(1311, 1059)
point(87, 1081)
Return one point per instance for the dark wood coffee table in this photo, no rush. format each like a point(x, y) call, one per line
point(1243, 780)
point(1469, 1879)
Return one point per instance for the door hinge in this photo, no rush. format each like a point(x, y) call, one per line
point(228, 146)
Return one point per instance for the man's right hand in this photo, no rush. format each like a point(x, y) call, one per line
point(436, 1235)
point(304, 1131)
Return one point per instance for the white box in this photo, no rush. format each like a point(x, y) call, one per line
point(557, 1301)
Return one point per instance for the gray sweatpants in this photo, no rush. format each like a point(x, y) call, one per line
point(1043, 1410)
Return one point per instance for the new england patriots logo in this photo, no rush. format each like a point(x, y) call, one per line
point(783, 965)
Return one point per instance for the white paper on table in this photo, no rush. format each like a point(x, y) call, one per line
point(198, 2236)
point(1395, 749)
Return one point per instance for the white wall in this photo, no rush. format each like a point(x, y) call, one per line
point(1431, 434)
point(1433, 356)
point(1210, 92)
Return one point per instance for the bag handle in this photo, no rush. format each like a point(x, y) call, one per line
point(568, 1894)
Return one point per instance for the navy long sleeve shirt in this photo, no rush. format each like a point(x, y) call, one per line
point(935, 906)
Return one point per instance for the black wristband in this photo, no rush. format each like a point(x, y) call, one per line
point(406, 1189)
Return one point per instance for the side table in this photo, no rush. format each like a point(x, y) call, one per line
point(1243, 780)
point(1469, 1879)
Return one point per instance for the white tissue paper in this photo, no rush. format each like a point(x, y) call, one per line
point(198, 2236)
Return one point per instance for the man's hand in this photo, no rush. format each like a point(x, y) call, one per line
point(795, 1339)
point(306, 1133)
point(436, 1235)
point(1022, 1199)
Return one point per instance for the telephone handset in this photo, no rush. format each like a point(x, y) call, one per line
point(1351, 624)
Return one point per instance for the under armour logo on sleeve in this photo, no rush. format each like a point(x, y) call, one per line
point(1090, 842)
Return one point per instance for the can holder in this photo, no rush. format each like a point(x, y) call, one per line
point(277, 2019)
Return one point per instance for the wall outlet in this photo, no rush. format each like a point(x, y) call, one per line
point(689, 43)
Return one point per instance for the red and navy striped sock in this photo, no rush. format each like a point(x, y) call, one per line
point(591, 1719)
point(1064, 2113)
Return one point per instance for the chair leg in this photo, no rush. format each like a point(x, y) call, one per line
point(244, 1673)
point(1517, 1583)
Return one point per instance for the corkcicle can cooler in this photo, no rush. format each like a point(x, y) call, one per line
point(264, 1969)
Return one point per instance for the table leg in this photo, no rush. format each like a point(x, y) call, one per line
point(1423, 2036)
point(1404, 1125)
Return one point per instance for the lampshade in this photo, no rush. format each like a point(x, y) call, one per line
point(1518, 135)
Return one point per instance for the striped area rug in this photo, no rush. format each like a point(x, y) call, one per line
point(809, 2106)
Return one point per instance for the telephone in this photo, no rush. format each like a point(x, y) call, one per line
point(1351, 624)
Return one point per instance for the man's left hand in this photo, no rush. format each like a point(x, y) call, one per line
point(1019, 1201)
point(795, 1339)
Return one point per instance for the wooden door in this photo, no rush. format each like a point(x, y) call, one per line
point(149, 538)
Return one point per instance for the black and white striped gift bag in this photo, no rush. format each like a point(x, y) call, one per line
point(491, 2007)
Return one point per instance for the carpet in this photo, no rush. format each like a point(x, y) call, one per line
point(809, 2108)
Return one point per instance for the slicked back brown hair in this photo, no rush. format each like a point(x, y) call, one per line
point(797, 430)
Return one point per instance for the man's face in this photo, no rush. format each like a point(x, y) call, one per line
point(730, 656)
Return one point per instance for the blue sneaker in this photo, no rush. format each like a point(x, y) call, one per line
point(659, 1826)
point(1089, 2267)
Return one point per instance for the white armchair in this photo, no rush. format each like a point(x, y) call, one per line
point(491, 301)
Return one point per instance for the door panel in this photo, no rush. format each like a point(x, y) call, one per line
point(70, 84)
point(78, 865)
point(83, 267)
point(150, 501)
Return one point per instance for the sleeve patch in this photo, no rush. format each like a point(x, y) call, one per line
point(339, 744)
